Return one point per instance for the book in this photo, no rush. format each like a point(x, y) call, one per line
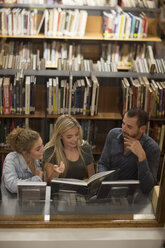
point(117, 189)
point(94, 97)
point(146, 92)
point(162, 134)
point(85, 187)
point(27, 94)
point(151, 59)
point(6, 95)
point(82, 23)
point(1, 95)
point(160, 99)
point(31, 191)
point(163, 100)
point(87, 96)
point(155, 98)
point(32, 94)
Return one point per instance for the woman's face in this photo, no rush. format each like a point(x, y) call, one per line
point(70, 138)
point(37, 150)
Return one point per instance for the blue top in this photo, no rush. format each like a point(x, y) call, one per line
point(16, 169)
point(113, 158)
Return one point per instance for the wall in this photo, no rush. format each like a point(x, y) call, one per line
point(80, 238)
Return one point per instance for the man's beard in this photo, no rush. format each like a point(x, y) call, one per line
point(132, 136)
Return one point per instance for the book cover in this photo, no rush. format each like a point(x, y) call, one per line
point(27, 94)
point(6, 95)
point(117, 189)
point(82, 23)
point(31, 191)
point(155, 98)
point(1, 95)
point(163, 100)
point(150, 58)
point(150, 99)
point(160, 99)
point(126, 86)
point(32, 94)
point(70, 93)
point(162, 135)
point(94, 95)
point(133, 23)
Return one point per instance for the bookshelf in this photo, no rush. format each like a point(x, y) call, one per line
point(109, 107)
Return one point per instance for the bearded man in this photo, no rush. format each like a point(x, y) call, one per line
point(131, 152)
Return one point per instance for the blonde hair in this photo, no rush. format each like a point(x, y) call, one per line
point(21, 139)
point(63, 124)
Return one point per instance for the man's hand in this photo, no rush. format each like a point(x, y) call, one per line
point(134, 146)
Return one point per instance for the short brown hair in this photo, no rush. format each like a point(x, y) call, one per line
point(141, 115)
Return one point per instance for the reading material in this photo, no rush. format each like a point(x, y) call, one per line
point(117, 189)
point(89, 187)
point(31, 190)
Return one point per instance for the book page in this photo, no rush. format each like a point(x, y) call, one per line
point(99, 175)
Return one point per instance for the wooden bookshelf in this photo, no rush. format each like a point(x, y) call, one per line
point(109, 105)
point(109, 112)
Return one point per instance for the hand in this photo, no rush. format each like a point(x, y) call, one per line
point(39, 173)
point(134, 146)
point(59, 169)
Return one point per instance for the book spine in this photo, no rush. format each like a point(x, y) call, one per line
point(6, 95)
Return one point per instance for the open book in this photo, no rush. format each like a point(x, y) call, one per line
point(86, 187)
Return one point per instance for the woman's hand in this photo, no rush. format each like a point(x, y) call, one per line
point(53, 171)
point(59, 169)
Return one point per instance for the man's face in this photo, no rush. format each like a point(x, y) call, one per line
point(130, 127)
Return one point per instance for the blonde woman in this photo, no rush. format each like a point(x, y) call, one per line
point(67, 154)
point(23, 164)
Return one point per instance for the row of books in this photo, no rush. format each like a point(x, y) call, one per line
point(142, 65)
point(79, 96)
point(69, 56)
point(123, 54)
point(24, 1)
point(73, 97)
point(17, 62)
point(120, 24)
point(141, 4)
point(149, 63)
point(106, 66)
point(146, 94)
point(54, 22)
point(17, 96)
point(112, 3)
point(157, 132)
point(54, 51)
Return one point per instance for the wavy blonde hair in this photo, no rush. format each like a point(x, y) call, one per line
point(63, 124)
